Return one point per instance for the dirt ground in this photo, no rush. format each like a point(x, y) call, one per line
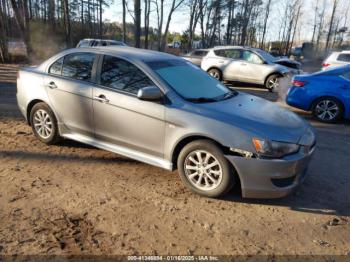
point(74, 199)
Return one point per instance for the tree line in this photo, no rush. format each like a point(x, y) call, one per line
point(210, 22)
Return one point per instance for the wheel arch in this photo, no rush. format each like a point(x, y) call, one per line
point(188, 139)
point(315, 100)
point(32, 104)
point(273, 73)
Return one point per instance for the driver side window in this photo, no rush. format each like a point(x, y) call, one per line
point(251, 57)
point(121, 75)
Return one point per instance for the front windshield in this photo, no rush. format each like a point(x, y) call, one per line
point(266, 55)
point(189, 81)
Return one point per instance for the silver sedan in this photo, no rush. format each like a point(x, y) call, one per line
point(167, 112)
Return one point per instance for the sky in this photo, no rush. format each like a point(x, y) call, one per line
point(180, 19)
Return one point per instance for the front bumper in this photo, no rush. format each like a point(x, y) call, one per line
point(271, 178)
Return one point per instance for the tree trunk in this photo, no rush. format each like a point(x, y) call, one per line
point(124, 23)
point(262, 44)
point(160, 14)
point(100, 25)
point(67, 25)
point(146, 20)
point(331, 24)
point(137, 12)
point(20, 10)
point(51, 14)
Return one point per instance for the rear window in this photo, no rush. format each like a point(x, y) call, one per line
point(344, 57)
point(78, 66)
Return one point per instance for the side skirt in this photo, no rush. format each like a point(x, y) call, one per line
point(146, 158)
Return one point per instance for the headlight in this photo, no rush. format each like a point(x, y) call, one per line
point(274, 149)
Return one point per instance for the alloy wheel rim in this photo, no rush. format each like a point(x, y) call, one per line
point(327, 110)
point(43, 123)
point(214, 74)
point(273, 83)
point(203, 170)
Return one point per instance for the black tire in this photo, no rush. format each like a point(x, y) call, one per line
point(225, 183)
point(51, 137)
point(216, 73)
point(270, 80)
point(325, 104)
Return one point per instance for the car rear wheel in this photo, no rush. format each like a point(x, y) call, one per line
point(44, 124)
point(204, 169)
point(327, 109)
point(216, 73)
point(272, 82)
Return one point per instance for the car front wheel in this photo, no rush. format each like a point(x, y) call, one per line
point(272, 82)
point(204, 169)
point(327, 110)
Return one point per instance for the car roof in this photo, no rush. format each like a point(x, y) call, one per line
point(231, 46)
point(335, 70)
point(130, 52)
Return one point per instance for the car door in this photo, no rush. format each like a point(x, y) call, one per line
point(69, 88)
point(120, 117)
point(252, 68)
point(230, 63)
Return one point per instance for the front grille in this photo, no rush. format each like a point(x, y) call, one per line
point(283, 182)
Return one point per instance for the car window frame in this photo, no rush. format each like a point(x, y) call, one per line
point(93, 69)
point(120, 91)
point(247, 50)
point(345, 55)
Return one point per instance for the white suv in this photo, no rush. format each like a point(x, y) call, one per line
point(249, 65)
point(336, 59)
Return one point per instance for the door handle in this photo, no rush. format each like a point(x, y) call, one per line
point(52, 85)
point(101, 98)
point(243, 64)
point(345, 87)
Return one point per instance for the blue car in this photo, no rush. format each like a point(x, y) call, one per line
point(326, 94)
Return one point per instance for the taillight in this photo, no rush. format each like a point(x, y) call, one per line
point(299, 83)
point(326, 65)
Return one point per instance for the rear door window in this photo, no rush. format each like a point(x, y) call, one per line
point(121, 75)
point(78, 66)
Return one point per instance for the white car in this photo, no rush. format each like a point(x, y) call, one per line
point(336, 59)
point(247, 65)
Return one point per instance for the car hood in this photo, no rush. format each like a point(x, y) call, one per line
point(258, 116)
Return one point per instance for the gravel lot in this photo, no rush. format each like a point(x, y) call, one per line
point(75, 199)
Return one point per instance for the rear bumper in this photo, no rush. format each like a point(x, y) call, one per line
point(271, 178)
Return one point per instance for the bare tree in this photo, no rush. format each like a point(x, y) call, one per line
point(175, 4)
point(124, 20)
point(20, 10)
point(267, 13)
point(137, 16)
point(335, 2)
point(147, 12)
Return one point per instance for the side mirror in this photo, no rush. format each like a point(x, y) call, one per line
point(149, 93)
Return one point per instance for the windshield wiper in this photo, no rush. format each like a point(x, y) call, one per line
point(201, 99)
point(228, 95)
